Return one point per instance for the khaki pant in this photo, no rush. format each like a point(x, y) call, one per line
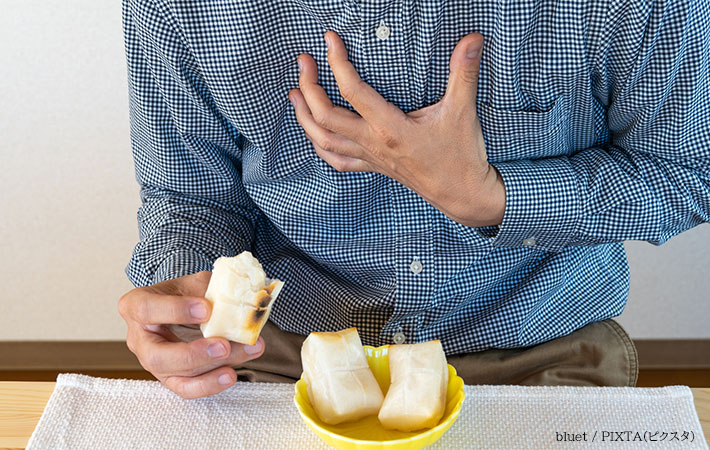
point(599, 354)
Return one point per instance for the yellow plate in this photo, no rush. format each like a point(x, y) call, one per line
point(368, 433)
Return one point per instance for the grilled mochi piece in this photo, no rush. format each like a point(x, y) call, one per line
point(340, 384)
point(419, 378)
point(241, 297)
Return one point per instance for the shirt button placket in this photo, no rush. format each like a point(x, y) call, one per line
point(411, 219)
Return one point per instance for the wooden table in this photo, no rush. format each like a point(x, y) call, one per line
point(22, 403)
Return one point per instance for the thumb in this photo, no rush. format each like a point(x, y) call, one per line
point(464, 65)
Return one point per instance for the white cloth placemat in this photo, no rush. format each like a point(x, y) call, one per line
point(98, 413)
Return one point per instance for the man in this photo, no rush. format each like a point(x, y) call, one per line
point(463, 172)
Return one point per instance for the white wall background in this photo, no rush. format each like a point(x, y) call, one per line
point(68, 195)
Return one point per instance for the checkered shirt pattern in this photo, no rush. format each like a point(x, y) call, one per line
point(596, 114)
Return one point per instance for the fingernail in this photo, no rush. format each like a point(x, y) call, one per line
point(292, 99)
point(328, 42)
point(473, 51)
point(216, 350)
point(224, 379)
point(300, 64)
point(253, 349)
point(198, 311)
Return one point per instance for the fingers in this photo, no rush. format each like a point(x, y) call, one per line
point(334, 118)
point(163, 331)
point(210, 383)
point(366, 101)
point(322, 139)
point(145, 306)
point(462, 87)
point(164, 357)
point(193, 285)
point(192, 369)
point(341, 163)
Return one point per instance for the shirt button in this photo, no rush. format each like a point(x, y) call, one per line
point(529, 242)
point(383, 31)
point(399, 338)
point(416, 267)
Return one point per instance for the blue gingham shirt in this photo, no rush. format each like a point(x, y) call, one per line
point(596, 114)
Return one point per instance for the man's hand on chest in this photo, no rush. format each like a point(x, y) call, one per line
point(437, 151)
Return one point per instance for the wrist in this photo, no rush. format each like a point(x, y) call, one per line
point(486, 202)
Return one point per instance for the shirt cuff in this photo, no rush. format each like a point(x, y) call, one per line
point(542, 204)
point(181, 263)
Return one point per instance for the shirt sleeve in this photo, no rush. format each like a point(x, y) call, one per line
point(652, 181)
point(187, 155)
